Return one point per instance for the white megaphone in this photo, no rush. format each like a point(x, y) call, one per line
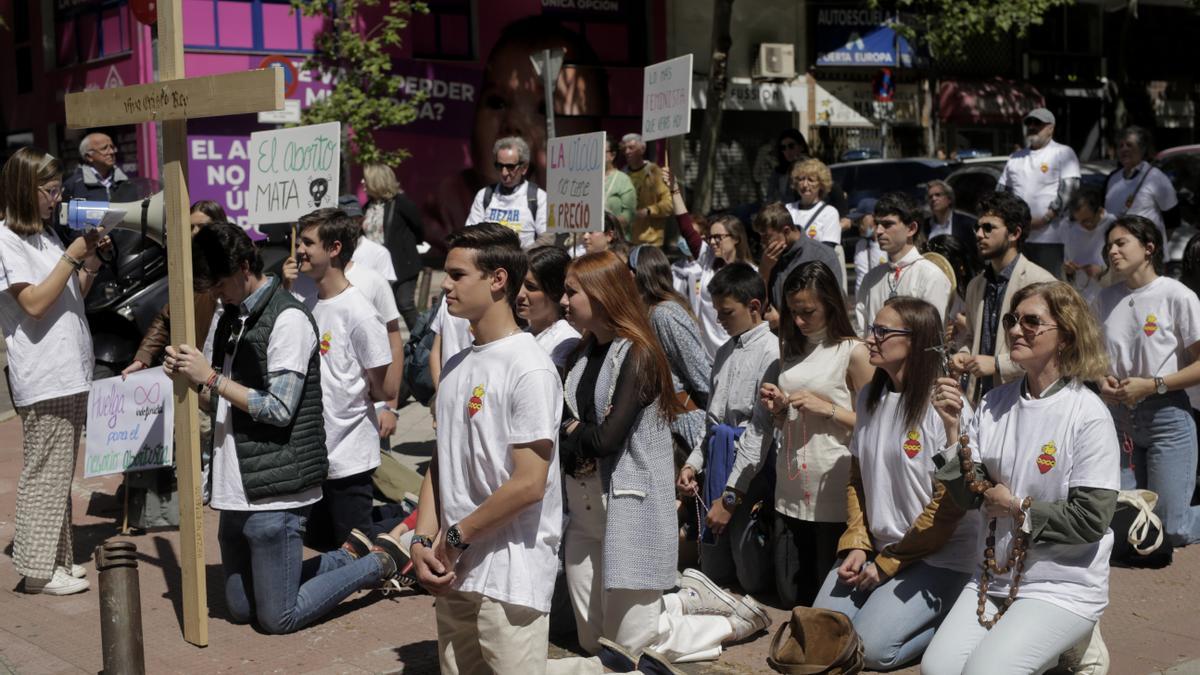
point(146, 216)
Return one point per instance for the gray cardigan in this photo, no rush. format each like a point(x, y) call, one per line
point(691, 366)
point(641, 537)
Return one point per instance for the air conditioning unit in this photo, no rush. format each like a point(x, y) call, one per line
point(775, 61)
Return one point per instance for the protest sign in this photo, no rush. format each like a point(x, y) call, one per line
point(575, 183)
point(293, 172)
point(130, 423)
point(667, 99)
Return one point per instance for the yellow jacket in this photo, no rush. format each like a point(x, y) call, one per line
point(652, 194)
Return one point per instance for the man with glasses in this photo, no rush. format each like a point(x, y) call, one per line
point(1044, 174)
point(906, 272)
point(98, 177)
point(943, 219)
point(515, 202)
point(1000, 233)
point(654, 206)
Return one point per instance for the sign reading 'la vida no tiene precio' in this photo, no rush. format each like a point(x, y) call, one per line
point(294, 172)
point(575, 183)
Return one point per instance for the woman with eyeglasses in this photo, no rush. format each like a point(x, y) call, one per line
point(908, 550)
point(824, 366)
point(50, 363)
point(726, 242)
point(679, 334)
point(1152, 332)
point(1040, 462)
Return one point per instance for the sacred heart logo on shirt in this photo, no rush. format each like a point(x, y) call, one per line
point(912, 446)
point(325, 339)
point(812, 231)
point(475, 404)
point(1045, 168)
point(1151, 325)
point(1045, 461)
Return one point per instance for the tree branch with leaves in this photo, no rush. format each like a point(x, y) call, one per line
point(947, 26)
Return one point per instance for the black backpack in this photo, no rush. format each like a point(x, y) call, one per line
point(530, 195)
point(417, 374)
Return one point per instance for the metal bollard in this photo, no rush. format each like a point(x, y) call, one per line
point(120, 609)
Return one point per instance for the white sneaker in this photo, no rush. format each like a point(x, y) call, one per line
point(748, 619)
point(700, 595)
point(62, 583)
point(76, 571)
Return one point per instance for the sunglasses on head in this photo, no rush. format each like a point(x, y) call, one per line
point(500, 166)
point(1029, 323)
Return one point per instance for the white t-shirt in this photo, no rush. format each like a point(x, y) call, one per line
point(370, 254)
point(291, 344)
point(366, 280)
point(897, 470)
point(1086, 247)
point(455, 332)
point(353, 340)
point(1033, 175)
point(1148, 330)
point(512, 211)
point(1042, 448)
point(491, 398)
point(50, 357)
point(867, 255)
point(1155, 195)
point(826, 226)
point(558, 341)
point(917, 277)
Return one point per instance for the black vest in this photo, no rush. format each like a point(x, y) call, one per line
point(274, 460)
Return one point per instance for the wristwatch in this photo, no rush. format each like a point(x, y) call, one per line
point(1160, 386)
point(422, 539)
point(454, 538)
point(731, 499)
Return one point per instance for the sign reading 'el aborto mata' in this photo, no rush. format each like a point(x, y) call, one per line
point(130, 423)
point(667, 99)
point(575, 183)
point(294, 171)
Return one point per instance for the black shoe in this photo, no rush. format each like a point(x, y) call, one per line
point(614, 658)
point(653, 663)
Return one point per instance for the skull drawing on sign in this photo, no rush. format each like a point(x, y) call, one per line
point(317, 188)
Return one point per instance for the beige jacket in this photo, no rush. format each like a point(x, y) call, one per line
point(1026, 273)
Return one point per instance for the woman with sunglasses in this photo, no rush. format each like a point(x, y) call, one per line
point(790, 147)
point(824, 366)
point(1041, 464)
point(622, 539)
point(50, 363)
point(679, 334)
point(908, 550)
point(725, 243)
point(1152, 332)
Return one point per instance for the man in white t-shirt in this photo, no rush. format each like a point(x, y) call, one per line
point(906, 272)
point(1139, 189)
point(509, 202)
point(1045, 174)
point(269, 442)
point(355, 359)
point(490, 516)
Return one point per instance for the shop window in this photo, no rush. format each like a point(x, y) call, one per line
point(445, 32)
point(248, 26)
point(92, 32)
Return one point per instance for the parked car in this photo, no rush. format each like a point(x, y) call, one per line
point(874, 177)
point(860, 154)
point(973, 178)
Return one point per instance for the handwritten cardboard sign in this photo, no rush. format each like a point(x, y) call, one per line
point(130, 423)
point(667, 99)
point(575, 183)
point(294, 172)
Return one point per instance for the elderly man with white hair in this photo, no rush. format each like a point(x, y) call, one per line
point(98, 177)
point(654, 205)
point(515, 202)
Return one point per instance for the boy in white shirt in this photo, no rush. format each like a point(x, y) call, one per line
point(1083, 243)
point(906, 272)
point(355, 356)
point(490, 517)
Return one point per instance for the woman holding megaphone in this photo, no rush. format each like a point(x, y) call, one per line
point(49, 362)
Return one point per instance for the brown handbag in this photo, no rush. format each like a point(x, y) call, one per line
point(816, 642)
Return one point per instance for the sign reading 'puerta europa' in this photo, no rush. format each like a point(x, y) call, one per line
point(293, 172)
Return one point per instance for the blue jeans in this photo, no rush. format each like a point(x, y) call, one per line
point(1162, 458)
point(897, 619)
point(267, 578)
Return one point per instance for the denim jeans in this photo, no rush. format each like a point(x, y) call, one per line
point(267, 579)
point(897, 619)
point(1158, 442)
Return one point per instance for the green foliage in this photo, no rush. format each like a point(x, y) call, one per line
point(365, 96)
point(947, 26)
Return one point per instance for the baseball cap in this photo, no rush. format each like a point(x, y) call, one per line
point(1040, 114)
point(350, 206)
point(865, 207)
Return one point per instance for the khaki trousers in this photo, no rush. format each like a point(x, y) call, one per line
point(479, 635)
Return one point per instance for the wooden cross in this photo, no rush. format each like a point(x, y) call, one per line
point(173, 100)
